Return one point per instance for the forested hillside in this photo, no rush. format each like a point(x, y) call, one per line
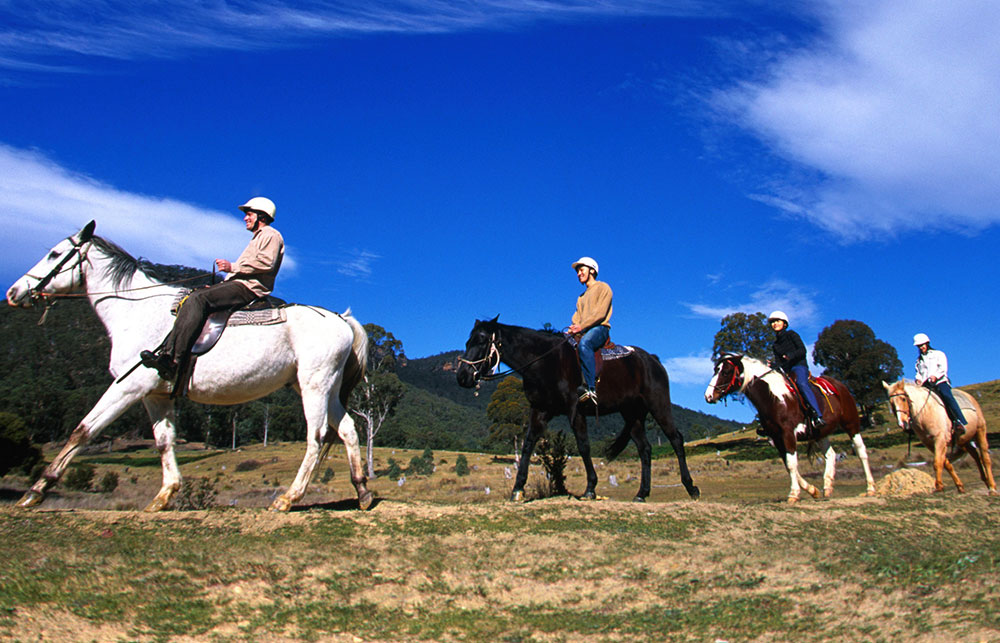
point(52, 374)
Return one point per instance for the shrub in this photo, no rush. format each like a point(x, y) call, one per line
point(108, 482)
point(552, 451)
point(421, 466)
point(394, 472)
point(248, 465)
point(196, 493)
point(80, 477)
point(16, 450)
point(461, 465)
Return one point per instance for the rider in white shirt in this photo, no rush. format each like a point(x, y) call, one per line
point(932, 372)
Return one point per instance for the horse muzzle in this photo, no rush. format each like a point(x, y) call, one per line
point(19, 296)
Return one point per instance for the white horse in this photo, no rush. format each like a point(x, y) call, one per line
point(320, 353)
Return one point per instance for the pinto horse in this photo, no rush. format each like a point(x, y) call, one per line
point(319, 353)
point(783, 419)
point(634, 386)
point(917, 409)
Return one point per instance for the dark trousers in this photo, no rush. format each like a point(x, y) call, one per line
point(950, 404)
point(193, 312)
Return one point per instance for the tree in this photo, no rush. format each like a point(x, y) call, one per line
point(16, 450)
point(745, 333)
point(375, 399)
point(849, 351)
point(508, 413)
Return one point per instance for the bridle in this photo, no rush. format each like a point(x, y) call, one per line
point(488, 363)
point(35, 292)
point(736, 381)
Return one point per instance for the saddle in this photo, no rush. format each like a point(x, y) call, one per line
point(823, 385)
point(263, 311)
point(609, 352)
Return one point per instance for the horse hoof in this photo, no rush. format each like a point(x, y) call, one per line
point(30, 499)
point(792, 499)
point(588, 495)
point(281, 503)
point(158, 504)
point(992, 492)
point(814, 492)
point(638, 499)
point(694, 492)
point(828, 493)
point(517, 496)
point(365, 500)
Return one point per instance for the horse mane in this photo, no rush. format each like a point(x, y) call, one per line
point(124, 266)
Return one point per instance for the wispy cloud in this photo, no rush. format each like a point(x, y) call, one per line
point(43, 35)
point(776, 294)
point(886, 122)
point(45, 202)
point(357, 264)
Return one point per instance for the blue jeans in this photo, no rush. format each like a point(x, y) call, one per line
point(590, 343)
point(801, 374)
point(951, 406)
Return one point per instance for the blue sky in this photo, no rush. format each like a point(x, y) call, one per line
point(434, 162)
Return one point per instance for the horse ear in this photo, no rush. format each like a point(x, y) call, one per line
point(87, 232)
point(494, 320)
point(886, 386)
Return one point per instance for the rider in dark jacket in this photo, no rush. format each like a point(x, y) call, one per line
point(790, 357)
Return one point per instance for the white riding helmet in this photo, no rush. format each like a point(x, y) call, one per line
point(921, 338)
point(777, 315)
point(586, 261)
point(260, 204)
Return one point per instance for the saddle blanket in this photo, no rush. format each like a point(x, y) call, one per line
point(243, 316)
point(609, 351)
point(824, 385)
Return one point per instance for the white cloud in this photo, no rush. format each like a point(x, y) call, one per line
point(37, 37)
point(44, 203)
point(692, 369)
point(892, 112)
point(776, 294)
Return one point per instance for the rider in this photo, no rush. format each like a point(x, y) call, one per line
point(250, 277)
point(932, 372)
point(591, 320)
point(790, 357)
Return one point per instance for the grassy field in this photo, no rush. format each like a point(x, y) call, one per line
point(446, 557)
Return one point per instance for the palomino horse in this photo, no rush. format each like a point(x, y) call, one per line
point(634, 385)
point(319, 353)
point(917, 409)
point(782, 417)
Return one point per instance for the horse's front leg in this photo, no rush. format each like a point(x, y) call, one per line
point(161, 412)
point(536, 426)
point(859, 448)
point(113, 403)
point(797, 481)
point(940, 458)
point(579, 425)
point(830, 467)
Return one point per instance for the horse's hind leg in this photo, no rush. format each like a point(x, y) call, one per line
point(665, 419)
point(349, 436)
point(579, 424)
point(161, 412)
point(859, 448)
point(637, 427)
point(314, 405)
point(113, 403)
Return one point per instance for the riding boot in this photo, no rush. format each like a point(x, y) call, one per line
point(163, 363)
point(957, 431)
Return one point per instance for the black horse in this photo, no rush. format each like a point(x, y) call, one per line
point(634, 386)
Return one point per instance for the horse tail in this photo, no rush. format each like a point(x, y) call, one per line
point(614, 449)
point(357, 361)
